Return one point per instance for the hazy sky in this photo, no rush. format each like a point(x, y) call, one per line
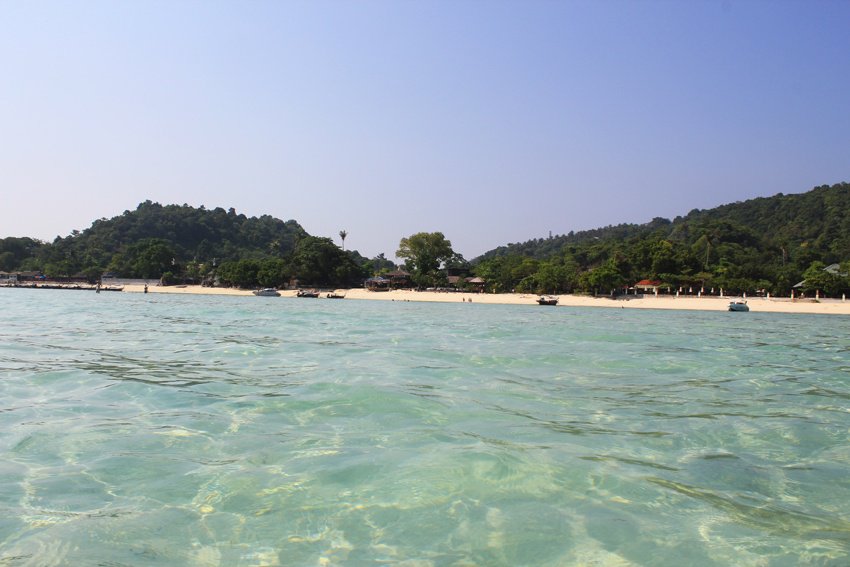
point(490, 121)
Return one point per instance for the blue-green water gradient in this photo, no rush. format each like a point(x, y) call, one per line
point(241, 431)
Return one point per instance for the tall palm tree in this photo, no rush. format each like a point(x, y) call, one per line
point(343, 234)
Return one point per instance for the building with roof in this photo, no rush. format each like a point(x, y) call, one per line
point(647, 286)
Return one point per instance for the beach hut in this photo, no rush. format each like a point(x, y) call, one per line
point(647, 286)
point(476, 283)
point(398, 279)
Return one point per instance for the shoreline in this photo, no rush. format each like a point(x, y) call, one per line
point(688, 303)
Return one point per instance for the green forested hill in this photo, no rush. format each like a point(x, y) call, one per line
point(194, 233)
point(812, 224)
point(762, 244)
point(186, 242)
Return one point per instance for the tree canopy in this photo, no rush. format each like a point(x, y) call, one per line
point(424, 255)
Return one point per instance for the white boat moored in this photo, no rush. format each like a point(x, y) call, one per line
point(267, 292)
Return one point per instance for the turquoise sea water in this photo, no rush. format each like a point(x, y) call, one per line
point(172, 430)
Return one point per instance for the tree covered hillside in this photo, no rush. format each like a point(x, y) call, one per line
point(762, 244)
point(183, 242)
point(766, 244)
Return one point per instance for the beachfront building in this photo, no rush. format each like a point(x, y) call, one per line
point(377, 283)
point(30, 276)
point(468, 283)
point(477, 284)
point(456, 282)
point(647, 286)
point(832, 269)
point(399, 279)
point(824, 283)
point(22, 278)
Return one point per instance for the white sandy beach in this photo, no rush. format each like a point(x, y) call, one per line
point(776, 305)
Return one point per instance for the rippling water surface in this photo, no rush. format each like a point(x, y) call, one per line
point(240, 431)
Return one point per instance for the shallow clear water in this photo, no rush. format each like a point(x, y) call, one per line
point(242, 431)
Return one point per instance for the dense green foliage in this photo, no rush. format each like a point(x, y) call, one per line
point(16, 253)
point(183, 243)
point(767, 244)
point(425, 255)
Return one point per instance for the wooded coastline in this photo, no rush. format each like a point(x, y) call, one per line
point(774, 245)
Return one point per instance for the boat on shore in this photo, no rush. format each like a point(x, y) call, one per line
point(335, 295)
point(547, 300)
point(267, 292)
point(738, 305)
point(307, 293)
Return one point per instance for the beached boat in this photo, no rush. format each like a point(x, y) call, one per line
point(547, 300)
point(738, 305)
point(267, 292)
point(307, 293)
point(334, 295)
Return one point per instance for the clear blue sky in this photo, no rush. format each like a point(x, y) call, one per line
point(490, 121)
